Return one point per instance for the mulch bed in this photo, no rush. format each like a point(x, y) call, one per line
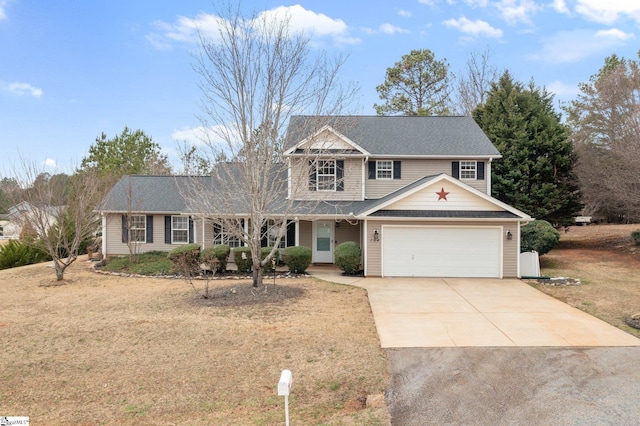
point(244, 294)
point(633, 320)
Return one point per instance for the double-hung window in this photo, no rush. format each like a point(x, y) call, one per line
point(138, 228)
point(274, 229)
point(384, 169)
point(221, 235)
point(179, 229)
point(468, 170)
point(326, 175)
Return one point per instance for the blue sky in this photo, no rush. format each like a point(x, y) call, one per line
point(70, 70)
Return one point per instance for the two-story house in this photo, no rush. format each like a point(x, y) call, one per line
point(414, 192)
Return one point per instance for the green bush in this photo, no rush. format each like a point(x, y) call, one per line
point(264, 253)
point(14, 254)
point(348, 255)
point(218, 255)
point(243, 265)
point(540, 236)
point(636, 237)
point(297, 258)
point(186, 259)
point(149, 263)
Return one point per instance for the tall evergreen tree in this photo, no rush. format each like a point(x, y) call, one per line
point(535, 173)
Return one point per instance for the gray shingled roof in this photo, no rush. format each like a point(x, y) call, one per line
point(439, 136)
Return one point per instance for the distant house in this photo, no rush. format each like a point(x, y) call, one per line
point(24, 212)
point(413, 192)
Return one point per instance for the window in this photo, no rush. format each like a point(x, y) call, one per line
point(179, 229)
point(384, 169)
point(138, 229)
point(468, 170)
point(224, 236)
point(326, 175)
point(273, 231)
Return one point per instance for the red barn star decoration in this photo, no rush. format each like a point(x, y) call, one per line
point(442, 195)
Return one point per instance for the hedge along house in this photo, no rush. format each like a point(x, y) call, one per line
point(414, 192)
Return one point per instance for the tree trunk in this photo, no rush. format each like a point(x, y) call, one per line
point(257, 275)
point(59, 267)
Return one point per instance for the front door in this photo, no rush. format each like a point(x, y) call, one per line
point(323, 241)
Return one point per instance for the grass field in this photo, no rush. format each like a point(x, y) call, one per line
point(115, 350)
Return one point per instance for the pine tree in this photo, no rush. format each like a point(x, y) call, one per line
point(535, 173)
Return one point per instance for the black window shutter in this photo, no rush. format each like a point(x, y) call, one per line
point(312, 176)
point(149, 229)
point(397, 170)
point(291, 233)
point(455, 169)
point(340, 175)
point(167, 229)
point(125, 229)
point(372, 169)
point(480, 170)
point(265, 240)
point(190, 230)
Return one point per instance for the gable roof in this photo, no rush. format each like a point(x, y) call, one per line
point(400, 136)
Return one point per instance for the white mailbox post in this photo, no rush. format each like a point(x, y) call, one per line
point(284, 386)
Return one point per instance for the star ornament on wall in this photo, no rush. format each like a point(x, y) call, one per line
point(442, 195)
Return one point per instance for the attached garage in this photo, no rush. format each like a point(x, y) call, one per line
point(441, 251)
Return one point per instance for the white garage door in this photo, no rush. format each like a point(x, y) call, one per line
point(441, 252)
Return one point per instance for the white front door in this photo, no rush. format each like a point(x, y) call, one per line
point(323, 241)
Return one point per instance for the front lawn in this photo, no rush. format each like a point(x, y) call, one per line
point(104, 349)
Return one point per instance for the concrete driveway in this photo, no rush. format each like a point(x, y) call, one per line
point(463, 312)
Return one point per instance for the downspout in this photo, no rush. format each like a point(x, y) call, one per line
point(488, 174)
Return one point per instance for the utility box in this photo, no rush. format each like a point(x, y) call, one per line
point(529, 264)
point(284, 385)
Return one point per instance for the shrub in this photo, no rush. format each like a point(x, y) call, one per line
point(218, 255)
point(148, 263)
point(264, 253)
point(297, 258)
point(540, 236)
point(186, 259)
point(636, 237)
point(14, 254)
point(348, 255)
point(243, 265)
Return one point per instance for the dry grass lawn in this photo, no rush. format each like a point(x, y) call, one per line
point(129, 351)
point(608, 264)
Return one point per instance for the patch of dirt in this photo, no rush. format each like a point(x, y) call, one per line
point(245, 294)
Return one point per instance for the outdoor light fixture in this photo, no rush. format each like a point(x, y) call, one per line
point(509, 235)
point(376, 235)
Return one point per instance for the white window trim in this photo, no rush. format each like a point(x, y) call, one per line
point(389, 169)
point(225, 238)
point(468, 163)
point(143, 228)
point(272, 235)
point(173, 240)
point(335, 176)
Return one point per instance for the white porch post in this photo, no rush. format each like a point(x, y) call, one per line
point(297, 229)
point(104, 235)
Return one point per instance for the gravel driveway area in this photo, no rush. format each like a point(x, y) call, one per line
point(514, 386)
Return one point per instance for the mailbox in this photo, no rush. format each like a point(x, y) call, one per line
point(285, 383)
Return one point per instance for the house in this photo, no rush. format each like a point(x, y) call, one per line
point(414, 192)
point(12, 223)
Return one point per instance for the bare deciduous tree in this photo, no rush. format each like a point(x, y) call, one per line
point(255, 75)
point(472, 85)
point(59, 229)
point(605, 119)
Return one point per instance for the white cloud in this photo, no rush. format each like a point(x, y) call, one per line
point(392, 29)
point(475, 28)
point(517, 11)
point(3, 9)
point(572, 46)
point(560, 6)
point(609, 11)
point(21, 89)
point(404, 13)
point(314, 25)
point(50, 163)
point(194, 136)
point(562, 90)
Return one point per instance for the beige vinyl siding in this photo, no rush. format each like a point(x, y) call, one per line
point(509, 249)
point(412, 170)
point(345, 231)
point(299, 181)
point(115, 246)
point(306, 233)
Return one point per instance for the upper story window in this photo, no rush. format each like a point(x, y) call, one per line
point(468, 169)
point(138, 228)
point(384, 169)
point(326, 175)
point(179, 229)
